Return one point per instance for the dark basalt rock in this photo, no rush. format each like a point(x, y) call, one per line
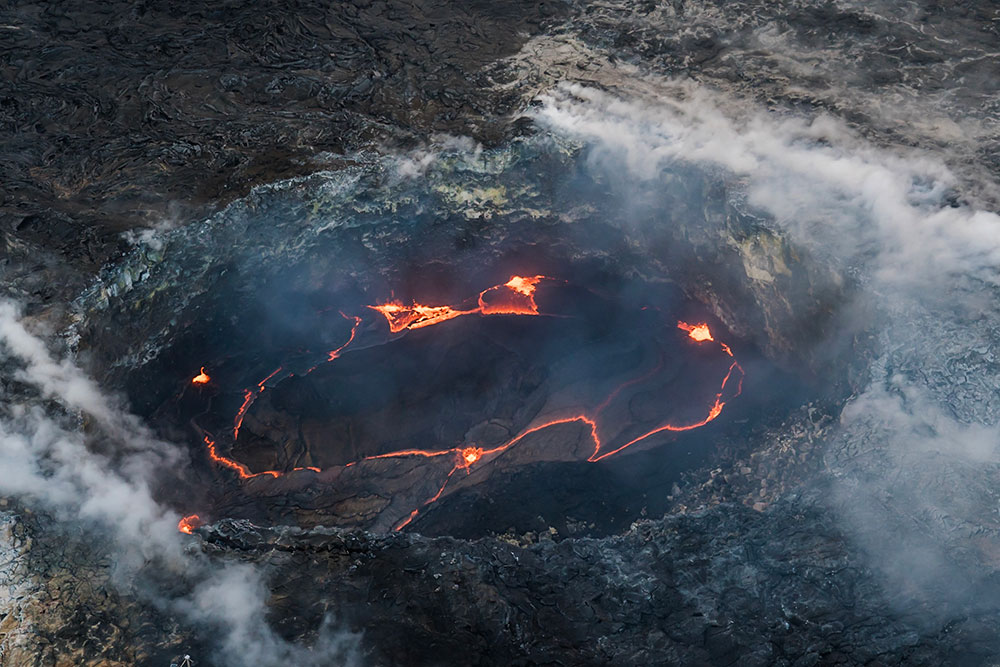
point(118, 115)
point(721, 586)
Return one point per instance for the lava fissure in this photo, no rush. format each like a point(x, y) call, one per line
point(249, 395)
point(433, 499)
point(515, 297)
point(335, 354)
point(243, 471)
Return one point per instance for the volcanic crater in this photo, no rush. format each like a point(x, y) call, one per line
point(453, 397)
point(403, 298)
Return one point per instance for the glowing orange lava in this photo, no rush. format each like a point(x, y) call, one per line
point(471, 454)
point(335, 354)
point(698, 332)
point(201, 377)
point(433, 499)
point(415, 316)
point(241, 470)
point(189, 523)
point(249, 396)
point(525, 286)
point(515, 297)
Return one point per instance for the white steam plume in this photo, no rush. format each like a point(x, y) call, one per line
point(915, 460)
point(822, 183)
point(47, 464)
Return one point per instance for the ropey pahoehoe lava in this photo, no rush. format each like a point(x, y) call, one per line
point(515, 298)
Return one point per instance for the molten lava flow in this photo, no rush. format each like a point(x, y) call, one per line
point(698, 332)
point(402, 317)
point(524, 285)
point(433, 499)
point(236, 466)
point(427, 453)
point(201, 377)
point(260, 385)
point(249, 396)
point(406, 522)
point(471, 454)
point(583, 419)
point(515, 297)
point(241, 470)
point(713, 412)
point(189, 523)
point(335, 354)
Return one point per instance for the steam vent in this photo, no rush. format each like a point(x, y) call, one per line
point(472, 334)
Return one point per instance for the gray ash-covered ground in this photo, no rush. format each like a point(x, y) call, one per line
point(821, 178)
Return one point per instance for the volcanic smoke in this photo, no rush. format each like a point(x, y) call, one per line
point(515, 297)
